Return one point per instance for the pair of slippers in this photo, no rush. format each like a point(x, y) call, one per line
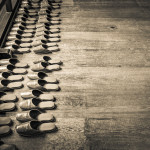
point(4, 126)
point(35, 122)
point(5, 146)
point(15, 70)
point(13, 61)
point(45, 67)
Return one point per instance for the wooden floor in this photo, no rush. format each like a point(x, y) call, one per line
point(104, 102)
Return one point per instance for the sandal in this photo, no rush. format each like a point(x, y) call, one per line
point(5, 107)
point(8, 85)
point(5, 121)
point(4, 130)
point(4, 146)
point(37, 93)
point(14, 62)
point(47, 33)
point(36, 103)
point(42, 75)
point(45, 67)
point(12, 78)
point(33, 128)
point(47, 29)
point(34, 115)
point(48, 38)
point(12, 69)
point(7, 97)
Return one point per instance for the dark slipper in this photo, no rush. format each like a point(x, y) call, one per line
point(34, 115)
point(4, 130)
point(4, 107)
point(7, 97)
point(5, 121)
point(33, 128)
point(36, 103)
point(39, 94)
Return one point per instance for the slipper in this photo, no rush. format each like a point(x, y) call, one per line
point(16, 32)
point(5, 121)
point(29, 31)
point(25, 45)
point(6, 84)
point(4, 130)
point(4, 146)
point(27, 35)
point(48, 12)
point(42, 85)
point(42, 75)
point(14, 62)
point(4, 107)
point(12, 78)
point(31, 26)
point(14, 37)
point(45, 67)
point(7, 97)
point(12, 69)
point(39, 94)
point(34, 115)
point(42, 42)
point(33, 128)
point(44, 49)
point(36, 103)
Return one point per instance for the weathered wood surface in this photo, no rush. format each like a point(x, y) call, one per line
point(105, 79)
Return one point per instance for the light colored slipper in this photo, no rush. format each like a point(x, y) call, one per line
point(5, 121)
point(4, 130)
point(4, 107)
point(7, 97)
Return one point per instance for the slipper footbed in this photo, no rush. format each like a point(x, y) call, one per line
point(15, 85)
point(8, 97)
point(19, 71)
point(21, 65)
point(51, 86)
point(4, 130)
point(15, 78)
point(7, 106)
point(47, 127)
point(23, 50)
point(46, 97)
point(53, 67)
point(46, 105)
point(45, 117)
point(5, 120)
point(53, 49)
point(54, 61)
point(50, 79)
